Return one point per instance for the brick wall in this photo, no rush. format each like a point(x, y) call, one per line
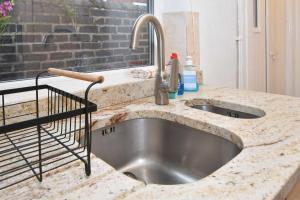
point(82, 35)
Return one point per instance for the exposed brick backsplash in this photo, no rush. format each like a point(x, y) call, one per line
point(43, 35)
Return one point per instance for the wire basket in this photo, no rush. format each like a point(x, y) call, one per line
point(40, 135)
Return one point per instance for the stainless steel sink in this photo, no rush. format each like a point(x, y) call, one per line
point(226, 109)
point(161, 152)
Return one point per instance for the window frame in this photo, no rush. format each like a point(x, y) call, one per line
point(150, 9)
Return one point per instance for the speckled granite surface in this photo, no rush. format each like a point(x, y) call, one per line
point(267, 168)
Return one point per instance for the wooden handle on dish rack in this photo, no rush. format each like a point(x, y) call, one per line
point(76, 75)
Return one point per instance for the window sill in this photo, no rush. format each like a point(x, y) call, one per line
point(111, 78)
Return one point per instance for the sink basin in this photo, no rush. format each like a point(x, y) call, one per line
point(158, 151)
point(226, 109)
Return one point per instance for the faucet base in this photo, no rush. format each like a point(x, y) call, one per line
point(161, 91)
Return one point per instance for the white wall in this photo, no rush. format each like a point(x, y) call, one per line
point(218, 32)
point(218, 45)
point(297, 48)
point(171, 6)
point(290, 47)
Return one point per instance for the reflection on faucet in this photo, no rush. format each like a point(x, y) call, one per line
point(161, 85)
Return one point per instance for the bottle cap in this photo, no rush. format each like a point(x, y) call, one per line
point(189, 61)
point(174, 56)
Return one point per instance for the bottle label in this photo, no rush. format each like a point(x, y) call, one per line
point(190, 80)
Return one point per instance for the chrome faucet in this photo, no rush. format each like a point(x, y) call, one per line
point(161, 85)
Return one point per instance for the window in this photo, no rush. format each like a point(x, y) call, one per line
point(80, 35)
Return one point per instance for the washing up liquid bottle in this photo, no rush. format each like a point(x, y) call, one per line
point(190, 76)
point(173, 70)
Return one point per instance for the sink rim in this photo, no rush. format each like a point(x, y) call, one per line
point(226, 105)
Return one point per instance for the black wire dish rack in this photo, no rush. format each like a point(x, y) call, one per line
point(40, 135)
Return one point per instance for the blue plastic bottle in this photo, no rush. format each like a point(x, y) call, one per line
point(180, 85)
point(190, 76)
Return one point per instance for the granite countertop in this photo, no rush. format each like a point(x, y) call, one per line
point(267, 167)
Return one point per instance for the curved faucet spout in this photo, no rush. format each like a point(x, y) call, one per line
point(137, 28)
point(161, 89)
